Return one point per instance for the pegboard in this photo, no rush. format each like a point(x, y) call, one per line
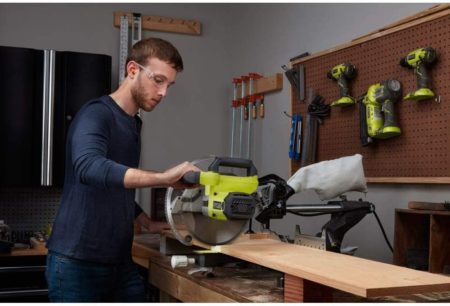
point(422, 151)
point(29, 209)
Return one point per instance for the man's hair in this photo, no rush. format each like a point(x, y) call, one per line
point(148, 48)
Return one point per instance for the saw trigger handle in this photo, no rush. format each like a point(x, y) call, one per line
point(235, 163)
point(191, 177)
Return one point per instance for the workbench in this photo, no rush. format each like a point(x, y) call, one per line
point(342, 283)
point(22, 274)
point(224, 284)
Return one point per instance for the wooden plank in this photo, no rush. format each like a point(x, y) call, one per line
point(37, 249)
point(164, 24)
point(351, 274)
point(237, 283)
point(364, 39)
point(300, 290)
point(269, 84)
point(423, 212)
point(264, 85)
point(182, 288)
point(166, 298)
point(409, 180)
point(164, 280)
point(26, 252)
point(293, 289)
point(428, 206)
point(432, 10)
point(144, 246)
point(439, 238)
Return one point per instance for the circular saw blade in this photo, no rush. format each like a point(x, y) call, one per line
point(189, 224)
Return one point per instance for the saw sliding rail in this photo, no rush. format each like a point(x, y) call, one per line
point(316, 208)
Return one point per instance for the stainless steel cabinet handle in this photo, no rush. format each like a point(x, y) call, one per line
point(48, 98)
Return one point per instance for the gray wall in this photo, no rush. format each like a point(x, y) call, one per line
point(190, 121)
point(194, 119)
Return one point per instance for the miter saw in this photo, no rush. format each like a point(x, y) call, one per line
point(218, 211)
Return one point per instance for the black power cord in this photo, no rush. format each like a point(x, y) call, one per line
point(382, 230)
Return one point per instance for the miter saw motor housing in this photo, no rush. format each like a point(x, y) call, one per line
point(219, 204)
point(229, 197)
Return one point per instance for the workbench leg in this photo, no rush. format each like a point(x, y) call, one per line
point(297, 289)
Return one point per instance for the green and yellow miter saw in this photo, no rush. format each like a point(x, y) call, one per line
point(216, 212)
point(227, 194)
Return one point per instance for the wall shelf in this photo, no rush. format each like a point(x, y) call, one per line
point(422, 239)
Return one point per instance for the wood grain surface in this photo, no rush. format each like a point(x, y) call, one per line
point(351, 274)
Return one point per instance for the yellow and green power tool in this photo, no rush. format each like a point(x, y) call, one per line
point(380, 120)
point(342, 73)
point(419, 60)
point(217, 211)
point(229, 196)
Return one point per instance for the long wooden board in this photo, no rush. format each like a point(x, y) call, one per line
point(355, 275)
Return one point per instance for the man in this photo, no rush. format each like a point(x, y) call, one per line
point(89, 256)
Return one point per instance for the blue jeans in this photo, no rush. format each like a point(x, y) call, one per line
point(72, 280)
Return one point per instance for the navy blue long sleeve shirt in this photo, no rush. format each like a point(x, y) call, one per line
point(95, 218)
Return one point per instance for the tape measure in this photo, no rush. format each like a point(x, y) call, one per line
point(123, 48)
point(136, 33)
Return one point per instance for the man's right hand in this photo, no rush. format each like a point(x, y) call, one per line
point(174, 175)
point(136, 178)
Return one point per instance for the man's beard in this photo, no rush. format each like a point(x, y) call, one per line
point(139, 98)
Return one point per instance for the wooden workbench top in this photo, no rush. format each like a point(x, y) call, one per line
point(37, 249)
point(359, 276)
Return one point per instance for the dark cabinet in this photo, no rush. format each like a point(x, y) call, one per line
point(22, 279)
point(20, 116)
point(40, 93)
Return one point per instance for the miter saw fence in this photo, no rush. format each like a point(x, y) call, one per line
point(274, 193)
point(329, 179)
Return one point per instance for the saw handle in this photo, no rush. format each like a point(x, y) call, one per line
point(191, 177)
point(234, 163)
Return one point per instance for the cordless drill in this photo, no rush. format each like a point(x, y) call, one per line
point(342, 73)
point(380, 115)
point(420, 60)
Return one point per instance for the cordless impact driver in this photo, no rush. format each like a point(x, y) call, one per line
point(342, 73)
point(420, 60)
point(379, 109)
